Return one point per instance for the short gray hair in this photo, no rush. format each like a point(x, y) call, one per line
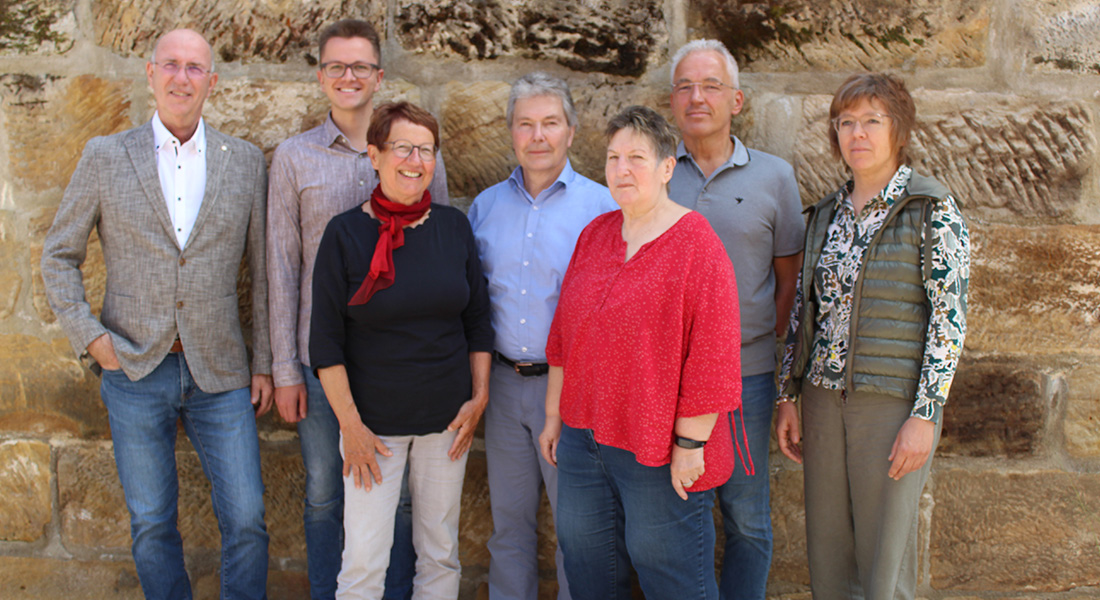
point(646, 122)
point(700, 46)
point(539, 83)
point(153, 54)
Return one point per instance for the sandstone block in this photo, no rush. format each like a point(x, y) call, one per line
point(1033, 289)
point(284, 494)
point(238, 30)
point(11, 254)
point(37, 27)
point(476, 144)
point(25, 506)
point(1002, 158)
point(617, 37)
point(1063, 35)
point(1027, 531)
point(788, 528)
point(784, 35)
point(281, 585)
point(45, 390)
point(46, 578)
point(1082, 424)
point(997, 407)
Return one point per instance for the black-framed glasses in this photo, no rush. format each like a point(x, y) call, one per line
point(360, 70)
point(193, 71)
point(404, 148)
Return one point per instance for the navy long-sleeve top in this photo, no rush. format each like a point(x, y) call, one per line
point(406, 350)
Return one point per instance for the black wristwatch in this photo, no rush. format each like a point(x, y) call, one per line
point(689, 443)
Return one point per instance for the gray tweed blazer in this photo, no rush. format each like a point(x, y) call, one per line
point(155, 289)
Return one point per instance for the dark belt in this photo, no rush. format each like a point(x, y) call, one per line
point(177, 346)
point(526, 369)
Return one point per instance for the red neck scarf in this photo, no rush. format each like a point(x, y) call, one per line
point(391, 236)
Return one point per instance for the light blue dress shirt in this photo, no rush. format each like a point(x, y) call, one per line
point(525, 245)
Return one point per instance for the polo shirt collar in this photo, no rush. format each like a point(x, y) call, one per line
point(739, 158)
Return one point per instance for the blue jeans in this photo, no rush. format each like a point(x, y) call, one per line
point(324, 504)
point(222, 428)
point(744, 499)
point(614, 512)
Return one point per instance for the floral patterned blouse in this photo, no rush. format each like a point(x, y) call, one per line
point(846, 243)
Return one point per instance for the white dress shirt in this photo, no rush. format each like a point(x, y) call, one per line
point(182, 169)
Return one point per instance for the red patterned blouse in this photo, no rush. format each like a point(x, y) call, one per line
point(646, 341)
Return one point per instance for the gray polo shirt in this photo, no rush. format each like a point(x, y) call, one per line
point(752, 202)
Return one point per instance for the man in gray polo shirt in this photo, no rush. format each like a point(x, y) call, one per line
point(751, 200)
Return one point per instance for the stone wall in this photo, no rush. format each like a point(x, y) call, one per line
point(1008, 95)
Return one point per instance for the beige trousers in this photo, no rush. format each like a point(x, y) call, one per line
point(861, 526)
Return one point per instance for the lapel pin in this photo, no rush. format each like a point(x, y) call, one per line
point(224, 148)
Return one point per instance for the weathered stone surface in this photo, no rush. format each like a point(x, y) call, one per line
point(45, 390)
point(997, 407)
point(1064, 35)
point(48, 578)
point(93, 269)
point(1002, 158)
point(1082, 423)
point(619, 37)
point(1036, 531)
point(1034, 289)
point(785, 35)
point(36, 27)
point(477, 147)
point(50, 118)
point(788, 527)
point(281, 585)
point(237, 29)
point(24, 490)
point(284, 492)
point(11, 282)
point(90, 500)
point(475, 525)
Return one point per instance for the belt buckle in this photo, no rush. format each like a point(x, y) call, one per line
point(519, 366)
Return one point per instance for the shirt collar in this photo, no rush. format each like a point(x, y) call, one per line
point(889, 195)
point(162, 136)
point(739, 158)
point(333, 135)
point(565, 178)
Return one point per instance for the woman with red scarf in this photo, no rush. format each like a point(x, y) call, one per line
point(401, 342)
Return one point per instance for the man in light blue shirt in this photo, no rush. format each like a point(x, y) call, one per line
point(526, 227)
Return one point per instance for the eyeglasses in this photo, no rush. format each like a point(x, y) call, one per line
point(710, 87)
point(404, 148)
point(872, 123)
point(193, 71)
point(360, 70)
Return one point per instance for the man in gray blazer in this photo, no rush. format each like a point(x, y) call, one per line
point(176, 205)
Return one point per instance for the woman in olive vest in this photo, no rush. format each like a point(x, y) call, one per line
point(875, 336)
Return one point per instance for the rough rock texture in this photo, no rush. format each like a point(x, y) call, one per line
point(277, 31)
point(598, 104)
point(36, 26)
point(619, 37)
point(476, 145)
point(284, 494)
point(24, 490)
point(788, 526)
point(1065, 36)
point(999, 157)
point(1035, 531)
point(49, 578)
point(50, 118)
point(1034, 289)
point(997, 407)
point(90, 501)
point(11, 251)
point(44, 390)
point(1082, 424)
point(786, 35)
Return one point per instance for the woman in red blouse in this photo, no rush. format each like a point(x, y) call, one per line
point(644, 356)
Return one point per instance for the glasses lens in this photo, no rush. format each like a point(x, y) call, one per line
point(362, 70)
point(335, 69)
